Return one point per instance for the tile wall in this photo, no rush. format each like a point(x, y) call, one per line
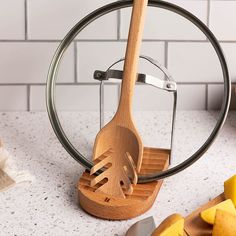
point(31, 30)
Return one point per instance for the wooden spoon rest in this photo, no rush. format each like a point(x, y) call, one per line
point(142, 198)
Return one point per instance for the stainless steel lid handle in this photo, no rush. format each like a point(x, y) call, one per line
point(167, 84)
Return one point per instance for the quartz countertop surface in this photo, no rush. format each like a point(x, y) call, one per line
point(49, 205)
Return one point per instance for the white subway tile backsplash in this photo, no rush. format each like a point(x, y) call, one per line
point(100, 55)
point(111, 96)
point(76, 97)
point(29, 34)
point(149, 98)
point(155, 50)
point(215, 97)
point(67, 97)
point(13, 98)
point(196, 7)
point(233, 97)
point(230, 54)
point(190, 97)
point(37, 98)
point(12, 19)
point(96, 56)
point(194, 62)
point(163, 24)
point(26, 62)
point(53, 19)
point(222, 19)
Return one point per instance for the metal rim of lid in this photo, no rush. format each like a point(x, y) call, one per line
point(52, 74)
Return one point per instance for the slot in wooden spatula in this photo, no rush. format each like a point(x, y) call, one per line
point(118, 143)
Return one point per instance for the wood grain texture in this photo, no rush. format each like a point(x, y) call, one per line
point(141, 200)
point(120, 134)
point(131, 58)
point(195, 226)
point(119, 174)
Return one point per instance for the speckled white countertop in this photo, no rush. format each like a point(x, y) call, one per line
point(49, 205)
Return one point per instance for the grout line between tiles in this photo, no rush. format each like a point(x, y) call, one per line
point(108, 40)
point(198, 83)
point(107, 83)
point(75, 63)
point(29, 41)
point(14, 84)
point(119, 89)
point(206, 97)
point(208, 12)
point(44, 84)
point(26, 19)
point(166, 48)
point(118, 24)
point(166, 53)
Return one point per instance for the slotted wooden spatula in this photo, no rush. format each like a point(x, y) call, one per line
point(118, 143)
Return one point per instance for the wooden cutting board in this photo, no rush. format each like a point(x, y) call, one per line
point(195, 226)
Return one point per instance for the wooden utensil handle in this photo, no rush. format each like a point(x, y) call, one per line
point(132, 54)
